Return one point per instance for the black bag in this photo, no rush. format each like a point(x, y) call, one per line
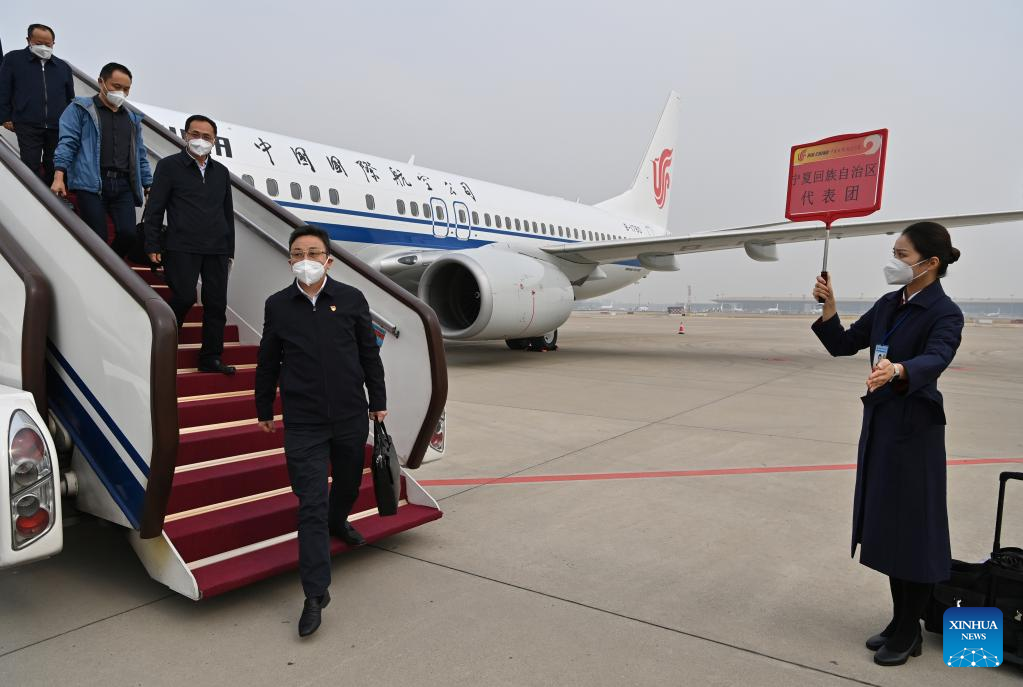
point(969, 585)
point(1006, 568)
point(385, 469)
point(997, 582)
point(137, 250)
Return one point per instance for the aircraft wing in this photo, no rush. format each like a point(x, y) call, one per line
point(758, 240)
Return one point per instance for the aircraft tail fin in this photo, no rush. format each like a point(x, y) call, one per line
point(649, 198)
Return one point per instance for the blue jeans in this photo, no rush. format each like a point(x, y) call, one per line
point(118, 200)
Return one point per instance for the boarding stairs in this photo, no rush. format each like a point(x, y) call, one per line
point(231, 516)
point(176, 455)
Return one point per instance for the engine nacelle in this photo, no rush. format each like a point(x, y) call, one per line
point(485, 293)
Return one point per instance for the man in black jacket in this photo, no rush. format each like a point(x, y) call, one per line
point(318, 339)
point(195, 191)
point(35, 87)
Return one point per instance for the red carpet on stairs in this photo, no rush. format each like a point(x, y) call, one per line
point(231, 514)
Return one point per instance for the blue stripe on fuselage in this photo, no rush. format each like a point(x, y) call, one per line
point(412, 239)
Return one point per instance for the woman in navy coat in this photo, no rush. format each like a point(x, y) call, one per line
point(900, 517)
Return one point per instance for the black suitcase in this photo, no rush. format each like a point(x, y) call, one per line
point(997, 582)
point(1006, 570)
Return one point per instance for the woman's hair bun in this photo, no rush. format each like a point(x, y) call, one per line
point(953, 255)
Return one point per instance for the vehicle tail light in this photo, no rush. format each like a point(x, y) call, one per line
point(437, 440)
point(32, 492)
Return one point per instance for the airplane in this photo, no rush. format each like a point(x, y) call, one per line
point(496, 262)
point(774, 309)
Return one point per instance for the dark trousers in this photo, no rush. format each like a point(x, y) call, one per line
point(182, 272)
point(36, 145)
point(117, 200)
point(314, 452)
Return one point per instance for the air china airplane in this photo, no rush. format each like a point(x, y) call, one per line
point(496, 262)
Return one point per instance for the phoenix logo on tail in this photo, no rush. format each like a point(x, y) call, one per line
point(662, 179)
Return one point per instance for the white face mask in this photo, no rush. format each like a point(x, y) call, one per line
point(309, 271)
point(43, 52)
point(898, 272)
point(116, 98)
point(200, 147)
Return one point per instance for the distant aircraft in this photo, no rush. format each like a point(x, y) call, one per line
point(774, 309)
point(496, 262)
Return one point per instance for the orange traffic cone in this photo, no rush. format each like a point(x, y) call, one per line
point(681, 328)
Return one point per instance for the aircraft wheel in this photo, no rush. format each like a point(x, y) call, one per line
point(547, 342)
point(517, 344)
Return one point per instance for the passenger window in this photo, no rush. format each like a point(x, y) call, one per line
point(335, 197)
point(271, 187)
point(296, 191)
point(507, 222)
point(461, 215)
point(535, 230)
point(517, 225)
point(440, 213)
point(561, 232)
point(575, 233)
point(427, 211)
point(486, 218)
point(371, 202)
point(497, 221)
point(314, 194)
point(414, 207)
point(401, 206)
point(248, 180)
point(475, 218)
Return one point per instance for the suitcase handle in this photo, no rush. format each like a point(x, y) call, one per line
point(1002, 479)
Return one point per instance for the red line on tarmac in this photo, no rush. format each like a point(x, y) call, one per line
point(596, 476)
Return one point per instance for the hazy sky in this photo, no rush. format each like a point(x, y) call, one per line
point(562, 97)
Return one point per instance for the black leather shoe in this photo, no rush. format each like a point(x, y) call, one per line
point(217, 366)
point(876, 642)
point(348, 534)
point(887, 657)
point(310, 620)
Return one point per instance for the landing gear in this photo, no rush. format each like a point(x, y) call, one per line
point(547, 342)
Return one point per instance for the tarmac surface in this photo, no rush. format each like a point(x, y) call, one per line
point(637, 508)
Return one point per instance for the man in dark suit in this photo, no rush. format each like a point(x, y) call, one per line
point(195, 191)
point(318, 340)
point(35, 87)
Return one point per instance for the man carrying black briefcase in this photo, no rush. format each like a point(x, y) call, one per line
point(318, 341)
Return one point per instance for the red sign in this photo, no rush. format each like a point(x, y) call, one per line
point(836, 177)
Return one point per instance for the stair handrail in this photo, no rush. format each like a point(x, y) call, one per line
point(36, 320)
point(163, 353)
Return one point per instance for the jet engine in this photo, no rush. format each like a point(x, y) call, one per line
point(485, 293)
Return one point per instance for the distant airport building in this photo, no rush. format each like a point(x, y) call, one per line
point(1003, 309)
point(974, 308)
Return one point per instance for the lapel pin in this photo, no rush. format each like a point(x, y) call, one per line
point(333, 308)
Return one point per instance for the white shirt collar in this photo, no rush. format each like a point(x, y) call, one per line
point(201, 165)
point(312, 298)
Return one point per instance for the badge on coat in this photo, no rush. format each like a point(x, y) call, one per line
point(333, 308)
point(880, 353)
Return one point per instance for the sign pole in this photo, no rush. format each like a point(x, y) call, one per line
point(827, 241)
